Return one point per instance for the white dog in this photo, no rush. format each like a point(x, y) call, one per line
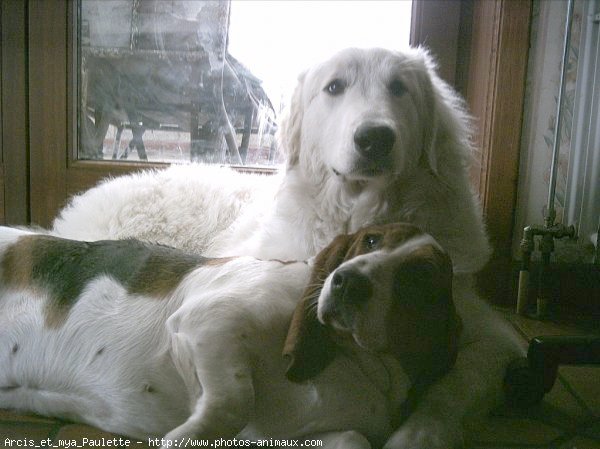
point(372, 136)
point(147, 341)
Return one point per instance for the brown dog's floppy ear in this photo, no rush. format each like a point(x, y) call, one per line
point(454, 324)
point(447, 332)
point(309, 347)
point(445, 358)
point(424, 326)
point(440, 361)
point(440, 349)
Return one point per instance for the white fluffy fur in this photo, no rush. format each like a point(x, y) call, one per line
point(321, 195)
point(189, 207)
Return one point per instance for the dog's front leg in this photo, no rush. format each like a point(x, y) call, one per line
point(437, 421)
point(216, 370)
point(348, 439)
point(473, 386)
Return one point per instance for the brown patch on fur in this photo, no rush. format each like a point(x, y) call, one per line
point(62, 268)
point(56, 315)
point(17, 262)
point(162, 273)
point(20, 270)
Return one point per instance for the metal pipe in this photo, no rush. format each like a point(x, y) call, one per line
point(597, 254)
point(550, 230)
point(527, 247)
point(544, 295)
point(546, 248)
point(551, 212)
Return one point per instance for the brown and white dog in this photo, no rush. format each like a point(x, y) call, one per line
point(146, 341)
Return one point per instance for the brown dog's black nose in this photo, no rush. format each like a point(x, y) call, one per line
point(374, 142)
point(351, 286)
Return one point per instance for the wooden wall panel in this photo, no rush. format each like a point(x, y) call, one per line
point(48, 107)
point(2, 214)
point(14, 117)
point(435, 25)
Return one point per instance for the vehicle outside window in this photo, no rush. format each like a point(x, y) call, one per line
point(206, 81)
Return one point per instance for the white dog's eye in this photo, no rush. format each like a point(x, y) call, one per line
point(372, 241)
point(397, 88)
point(336, 87)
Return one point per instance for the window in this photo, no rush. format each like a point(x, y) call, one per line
point(180, 81)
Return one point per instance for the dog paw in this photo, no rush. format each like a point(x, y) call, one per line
point(426, 434)
point(346, 440)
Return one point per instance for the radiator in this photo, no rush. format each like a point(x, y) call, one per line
point(582, 195)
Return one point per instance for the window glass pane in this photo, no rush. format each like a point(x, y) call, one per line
point(181, 81)
point(280, 39)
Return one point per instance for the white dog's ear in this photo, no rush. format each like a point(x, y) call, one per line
point(446, 131)
point(430, 128)
point(290, 131)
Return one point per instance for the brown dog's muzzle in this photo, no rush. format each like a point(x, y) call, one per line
point(350, 290)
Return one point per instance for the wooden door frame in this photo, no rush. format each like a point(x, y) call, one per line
point(495, 94)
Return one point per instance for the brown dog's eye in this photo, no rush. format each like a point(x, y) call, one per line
point(397, 88)
point(372, 241)
point(336, 87)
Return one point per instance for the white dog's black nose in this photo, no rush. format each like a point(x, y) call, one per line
point(351, 286)
point(374, 142)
